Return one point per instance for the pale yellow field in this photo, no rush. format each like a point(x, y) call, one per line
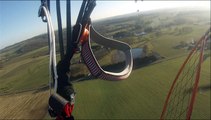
point(28, 105)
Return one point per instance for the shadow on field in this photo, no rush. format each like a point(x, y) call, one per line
point(206, 56)
point(139, 63)
point(204, 88)
point(118, 67)
point(201, 89)
point(87, 78)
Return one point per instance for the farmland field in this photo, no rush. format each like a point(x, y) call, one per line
point(141, 96)
point(27, 105)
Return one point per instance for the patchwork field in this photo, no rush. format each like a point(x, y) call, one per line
point(24, 77)
point(140, 96)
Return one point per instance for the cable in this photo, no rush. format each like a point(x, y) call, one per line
point(69, 31)
point(81, 13)
point(52, 47)
point(61, 46)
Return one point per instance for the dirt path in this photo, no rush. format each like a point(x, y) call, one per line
point(28, 105)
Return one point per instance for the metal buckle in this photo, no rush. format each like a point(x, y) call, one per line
point(72, 98)
point(41, 12)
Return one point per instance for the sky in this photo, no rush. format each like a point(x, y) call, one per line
point(19, 19)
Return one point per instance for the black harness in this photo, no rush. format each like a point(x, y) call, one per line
point(61, 102)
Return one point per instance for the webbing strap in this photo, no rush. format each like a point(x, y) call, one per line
point(92, 63)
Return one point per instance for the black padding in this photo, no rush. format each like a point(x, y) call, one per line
point(57, 103)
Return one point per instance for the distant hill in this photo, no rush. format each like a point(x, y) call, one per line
point(108, 26)
point(28, 45)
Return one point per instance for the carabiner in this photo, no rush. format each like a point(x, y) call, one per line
point(41, 13)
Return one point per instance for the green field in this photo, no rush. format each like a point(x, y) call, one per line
point(143, 94)
point(140, 96)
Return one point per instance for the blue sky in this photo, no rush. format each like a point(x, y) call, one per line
point(19, 19)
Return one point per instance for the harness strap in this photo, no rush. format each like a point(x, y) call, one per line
point(92, 63)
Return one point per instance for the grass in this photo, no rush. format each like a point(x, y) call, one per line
point(142, 95)
point(27, 74)
point(202, 105)
point(33, 54)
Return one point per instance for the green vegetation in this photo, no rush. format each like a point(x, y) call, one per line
point(142, 95)
point(25, 74)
